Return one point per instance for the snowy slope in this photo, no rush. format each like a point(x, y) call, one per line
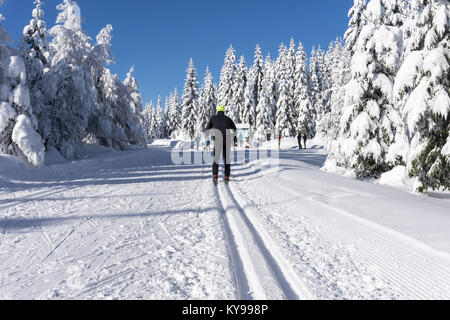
point(130, 225)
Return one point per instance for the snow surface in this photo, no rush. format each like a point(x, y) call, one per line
point(131, 225)
point(11, 165)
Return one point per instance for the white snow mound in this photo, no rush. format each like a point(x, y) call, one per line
point(397, 177)
point(28, 141)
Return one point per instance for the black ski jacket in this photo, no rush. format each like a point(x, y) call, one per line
point(221, 122)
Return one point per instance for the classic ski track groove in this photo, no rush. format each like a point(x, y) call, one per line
point(236, 264)
point(260, 265)
point(287, 277)
point(437, 275)
point(254, 267)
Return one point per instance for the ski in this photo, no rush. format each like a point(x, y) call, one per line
point(216, 182)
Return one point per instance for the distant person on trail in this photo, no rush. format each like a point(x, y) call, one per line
point(301, 137)
point(299, 140)
point(224, 133)
point(197, 142)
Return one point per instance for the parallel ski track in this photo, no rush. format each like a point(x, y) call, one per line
point(291, 284)
point(236, 264)
point(417, 267)
point(260, 270)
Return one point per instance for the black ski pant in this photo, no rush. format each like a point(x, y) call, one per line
point(222, 148)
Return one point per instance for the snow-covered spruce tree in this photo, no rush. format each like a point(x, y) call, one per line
point(177, 103)
point(257, 74)
point(264, 109)
point(35, 37)
point(422, 90)
point(253, 89)
point(189, 103)
point(273, 95)
point(340, 76)
point(35, 52)
point(166, 109)
point(291, 65)
point(70, 89)
point(133, 87)
point(134, 128)
point(168, 122)
point(321, 84)
point(330, 58)
point(148, 114)
point(314, 79)
point(366, 125)
point(249, 110)
point(174, 114)
point(270, 70)
point(210, 94)
point(227, 79)
point(178, 109)
point(239, 86)
point(106, 120)
point(160, 126)
point(18, 124)
point(317, 83)
point(321, 59)
point(277, 67)
point(284, 121)
point(282, 52)
point(207, 102)
point(302, 98)
point(115, 120)
point(170, 125)
point(357, 21)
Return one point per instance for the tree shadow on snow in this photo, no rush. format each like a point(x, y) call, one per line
point(305, 156)
point(439, 195)
point(20, 225)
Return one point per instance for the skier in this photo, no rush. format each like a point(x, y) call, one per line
point(299, 140)
point(224, 132)
point(305, 139)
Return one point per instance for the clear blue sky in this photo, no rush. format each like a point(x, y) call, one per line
point(159, 36)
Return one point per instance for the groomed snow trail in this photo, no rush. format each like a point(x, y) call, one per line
point(131, 225)
point(335, 251)
point(262, 270)
point(114, 226)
